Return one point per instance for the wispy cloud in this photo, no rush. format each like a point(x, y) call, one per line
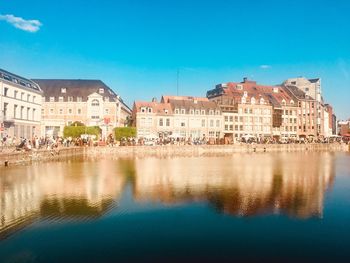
point(265, 66)
point(20, 23)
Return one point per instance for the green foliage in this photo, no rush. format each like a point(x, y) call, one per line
point(121, 132)
point(76, 131)
point(77, 123)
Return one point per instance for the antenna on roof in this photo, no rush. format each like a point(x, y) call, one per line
point(177, 81)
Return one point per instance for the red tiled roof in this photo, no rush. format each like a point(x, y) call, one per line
point(157, 107)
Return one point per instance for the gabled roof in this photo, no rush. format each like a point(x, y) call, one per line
point(74, 88)
point(191, 104)
point(159, 108)
point(166, 98)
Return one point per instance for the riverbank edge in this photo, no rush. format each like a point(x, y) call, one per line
point(21, 158)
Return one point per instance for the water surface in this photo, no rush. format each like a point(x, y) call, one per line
point(247, 207)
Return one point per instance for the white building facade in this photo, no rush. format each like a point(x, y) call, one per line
point(20, 101)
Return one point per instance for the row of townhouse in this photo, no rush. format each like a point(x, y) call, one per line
point(178, 117)
point(43, 107)
point(233, 110)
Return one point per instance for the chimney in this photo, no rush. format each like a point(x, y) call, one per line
point(245, 79)
point(154, 99)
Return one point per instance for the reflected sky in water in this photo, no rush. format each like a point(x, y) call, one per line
point(283, 206)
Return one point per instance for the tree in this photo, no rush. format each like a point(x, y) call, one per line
point(121, 132)
point(76, 131)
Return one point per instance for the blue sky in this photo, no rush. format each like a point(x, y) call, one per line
point(136, 47)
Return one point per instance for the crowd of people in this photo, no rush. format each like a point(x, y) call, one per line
point(23, 144)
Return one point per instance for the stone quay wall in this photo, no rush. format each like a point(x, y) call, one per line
point(207, 150)
point(19, 158)
point(16, 158)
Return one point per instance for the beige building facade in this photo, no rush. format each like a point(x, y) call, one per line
point(90, 102)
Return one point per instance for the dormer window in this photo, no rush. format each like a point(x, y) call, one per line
point(60, 99)
point(245, 93)
point(143, 110)
point(149, 110)
point(191, 112)
point(275, 90)
point(262, 101)
point(183, 111)
point(283, 102)
point(177, 111)
point(244, 100)
point(252, 101)
point(203, 112)
point(292, 102)
point(101, 91)
point(63, 90)
point(70, 98)
point(211, 112)
point(239, 87)
point(197, 112)
point(166, 111)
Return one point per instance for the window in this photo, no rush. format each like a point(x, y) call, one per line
point(106, 99)
point(226, 127)
point(183, 111)
point(191, 112)
point(33, 114)
point(34, 99)
point(149, 110)
point(217, 123)
point(211, 112)
point(70, 99)
point(79, 111)
point(101, 91)
point(95, 103)
point(161, 122)
point(197, 112)
point(106, 111)
point(203, 112)
point(143, 110)
point(211, 123)
point(6, 91)
point(203, 123)
point(51, 111)
point(183, 124)
point(28, 110)
point(231, 118)
point(95, 117)
point(167, 122)
point(60, 99)
point(52, 99)
point(79, 99)
point(15, 111)
point(42, 111)
point(61, 111)
point(231, 127)
point(176, 111)
point(70, 111)
point(63, 90)
point(226, 118)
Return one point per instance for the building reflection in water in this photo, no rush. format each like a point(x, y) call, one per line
point(244, 184)
point(79, 190)
point(288, 183)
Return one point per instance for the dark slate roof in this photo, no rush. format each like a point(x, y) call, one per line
point(18, 80)
point(74, 88)
point(298, 93)
point(314, 80)
point(190, 104)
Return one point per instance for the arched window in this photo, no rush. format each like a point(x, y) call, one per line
point(283, 102)
point(95, 103)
